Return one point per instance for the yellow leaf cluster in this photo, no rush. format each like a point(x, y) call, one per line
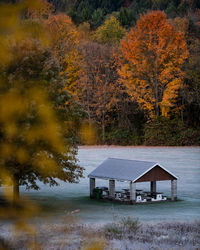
point(87, 134)
point(13, 28)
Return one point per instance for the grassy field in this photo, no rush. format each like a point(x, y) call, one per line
point(123, 234)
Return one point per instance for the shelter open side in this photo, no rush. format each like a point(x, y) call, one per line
point(132, 171)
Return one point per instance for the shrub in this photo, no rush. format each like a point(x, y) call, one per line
point(122, 229)
point(130, 225)
point(123, 137)
point(113, 230)
point(170, 132)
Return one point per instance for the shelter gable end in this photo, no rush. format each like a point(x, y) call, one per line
point(156, 174)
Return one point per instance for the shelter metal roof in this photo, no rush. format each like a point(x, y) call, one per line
point(124, 170)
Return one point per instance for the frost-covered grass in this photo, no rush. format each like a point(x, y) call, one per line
point(123, 234)
point(121, 229)
point(165, 235)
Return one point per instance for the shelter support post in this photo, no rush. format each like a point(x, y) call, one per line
point(92, 186)
point(174, 190)
point(112, 189)
point(132, 192)
point(153, 186)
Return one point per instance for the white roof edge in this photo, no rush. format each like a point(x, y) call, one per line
point(106, 178)
point(122, 159)
point(157, 164)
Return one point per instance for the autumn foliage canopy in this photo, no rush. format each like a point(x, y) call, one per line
point(65, 42)
point(154, 53)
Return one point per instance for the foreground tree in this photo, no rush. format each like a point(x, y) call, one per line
point(153, 55)
point(32, 145)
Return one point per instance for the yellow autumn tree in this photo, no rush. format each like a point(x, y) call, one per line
point(65, 42)
point(153, 54)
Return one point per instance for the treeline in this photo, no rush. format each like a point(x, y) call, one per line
point(131, 69)
point(127, 11)
point(119, 118)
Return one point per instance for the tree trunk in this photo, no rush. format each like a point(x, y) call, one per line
point(182, 117)
point(103, 126)
point(15, 191)
point(88, 105)
point(103, 113)
point(156, 88)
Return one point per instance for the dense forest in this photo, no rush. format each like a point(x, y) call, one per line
point(130, 69)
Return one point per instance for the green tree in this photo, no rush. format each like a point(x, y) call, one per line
point(97, 18)
point(111, 32)
point(171, 10)
point(164, 131)
point(126, 17)
point(191, 92)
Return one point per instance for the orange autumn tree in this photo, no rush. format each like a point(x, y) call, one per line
point(65, 42)
point(153, 55)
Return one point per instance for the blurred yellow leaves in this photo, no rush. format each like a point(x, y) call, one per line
point(41, 10)
point(87, 134)
point(32, 144)
point(99, 244)
point(13, 29)
point(30, 132)
point(18, 105)
point(23, 209)
point(22, 155)
point(45, 164)
point(7, 182)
